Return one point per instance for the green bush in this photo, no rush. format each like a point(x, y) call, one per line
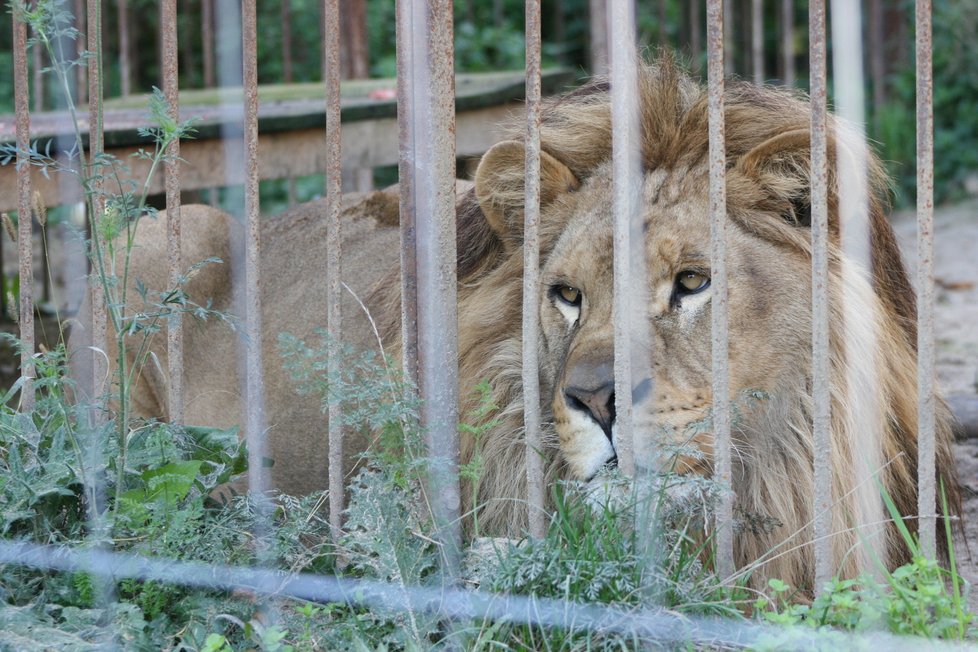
point(955, 48)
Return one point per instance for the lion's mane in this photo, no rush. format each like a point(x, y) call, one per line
point(776, 478)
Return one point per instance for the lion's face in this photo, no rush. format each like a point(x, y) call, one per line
point(769, 312)
point(766, 285)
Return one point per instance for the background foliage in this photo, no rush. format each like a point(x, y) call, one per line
point(489, 36)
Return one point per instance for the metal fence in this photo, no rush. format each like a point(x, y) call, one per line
point(426, 126)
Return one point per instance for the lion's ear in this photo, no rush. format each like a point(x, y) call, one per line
point(500, 183)
point(782, 166)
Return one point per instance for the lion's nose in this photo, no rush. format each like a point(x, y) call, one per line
point(599, 403)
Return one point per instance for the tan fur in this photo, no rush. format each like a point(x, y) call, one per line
point(293, 293)
point(873, 338)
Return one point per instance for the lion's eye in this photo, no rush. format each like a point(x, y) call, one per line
point(569, 295)
point(690, 282)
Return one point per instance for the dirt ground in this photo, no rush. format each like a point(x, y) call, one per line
point(956, 332)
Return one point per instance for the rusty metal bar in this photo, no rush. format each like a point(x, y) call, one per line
point(821, 390)
point(81, 83)
point(626, 168)
point(37, 66)
point(433, 184)
point(125, 49)
point(25, 236)
point(788, 41)
point(718, 283)
point(331, 43)
point(96, 205)
point(254, 379)
point(531, 279)
point(207, 41)
point(728, 38)
point(174, 327)
point(405, 173)
point(757, 39)
point(926, 495)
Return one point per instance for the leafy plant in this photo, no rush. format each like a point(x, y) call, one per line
point(955, 95)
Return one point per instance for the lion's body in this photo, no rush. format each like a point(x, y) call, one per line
point(293, 294)
point(872, 352)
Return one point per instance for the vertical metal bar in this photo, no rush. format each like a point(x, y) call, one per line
point(174, 327)
point(125, 49)
point(207, 40)
point(254, 381)
point(598, 13)
point(37, 67)
point(926, 495)
point(25, 235)
point(433, 83)
point(405, 172)
point(854, 223)
point(286, 22)
point(728, 36)
point(531, 278)
point(626, 168)
point(81, 83)
point(718, 283)
point(757, 39)
point(788, 41)
point(97, 202)
point(695, 31)
point(821, 424)
point(331, 42)
point(877, 59)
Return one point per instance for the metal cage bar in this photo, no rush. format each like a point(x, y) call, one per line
point(174, 326)
point(626, 172)
point(821, 391)
point(926, 418)
point(718, 284)
point(25, 233)
point(96, 146)
point(254, 372)
point(531, 280)
point(862, 385)
point(757, 39)
point(788, 41)
point(432, 174)
point(405, 177)
point(334, 188)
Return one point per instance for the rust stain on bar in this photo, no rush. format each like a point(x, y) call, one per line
point(334, 188)
point(174, 327)
point(405, 173)
point(254, 383)
point(531, 279)
point(626, 171)
point(718, 283)
point(96, 204)
point(821, 396)
point(25, 234)
point(433, 81)
point(927, 495)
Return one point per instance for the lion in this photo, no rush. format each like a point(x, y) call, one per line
point(873, 336)
point(872, 321)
